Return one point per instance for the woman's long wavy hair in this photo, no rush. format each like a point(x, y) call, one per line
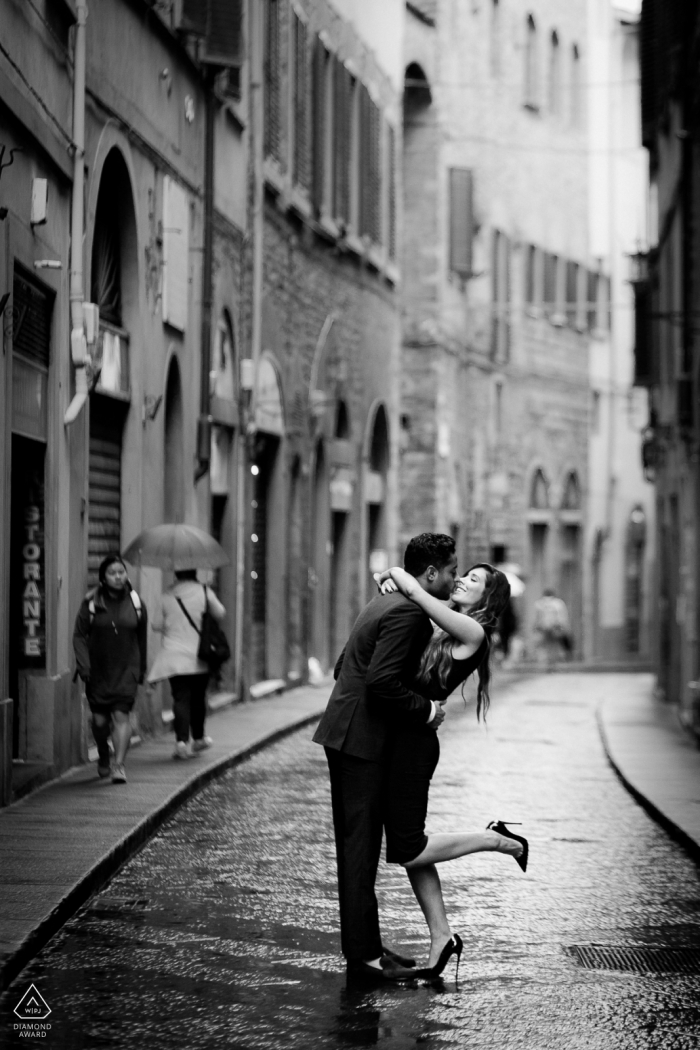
point(437, 658)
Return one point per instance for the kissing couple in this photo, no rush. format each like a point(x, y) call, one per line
point(379, 732)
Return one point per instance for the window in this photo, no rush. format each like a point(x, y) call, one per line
point(224, 370)
point(321, 124)
point(571, 293)
point(495, 39)
point(532, 262)
point(531, 78)
point(369, 167)
point(342, 141)
point(272, 73)
point(592, 301)
point(500, 297)
point(576, 108)
point(461, 221)
point(539, 493)
point(301, 166)
point(551, 296)
point(391, 190)
point(554, 78)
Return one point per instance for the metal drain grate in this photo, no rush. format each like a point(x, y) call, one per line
point(636, 959)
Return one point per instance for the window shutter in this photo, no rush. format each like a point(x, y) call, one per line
point(342, 129)
point(370, 168)
point(319, 125)
point(592, 301)
point(301, 173)
point(461, 220)
point(391, 175)
point(272, 78)
point(571, 292)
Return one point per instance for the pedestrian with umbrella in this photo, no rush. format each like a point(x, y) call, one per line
point(187, 609)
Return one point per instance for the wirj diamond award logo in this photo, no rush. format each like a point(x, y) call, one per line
point(32, 1010)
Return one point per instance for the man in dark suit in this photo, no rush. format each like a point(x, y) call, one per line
point(371, 694)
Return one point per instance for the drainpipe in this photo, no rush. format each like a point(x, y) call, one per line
point(204, 423)
point(78, 345)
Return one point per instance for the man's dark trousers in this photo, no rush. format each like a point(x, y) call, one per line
point(356, 796)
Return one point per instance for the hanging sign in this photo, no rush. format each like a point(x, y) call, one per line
point(33, 589)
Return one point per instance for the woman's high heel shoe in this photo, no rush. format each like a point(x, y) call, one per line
point(501, 827)
point(453, 947)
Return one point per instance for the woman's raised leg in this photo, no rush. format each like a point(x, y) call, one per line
point(450, 845)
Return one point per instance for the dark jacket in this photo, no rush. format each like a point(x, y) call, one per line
point(110, 652)
point(371, 692)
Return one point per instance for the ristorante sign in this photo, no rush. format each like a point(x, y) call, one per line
point(33, 586)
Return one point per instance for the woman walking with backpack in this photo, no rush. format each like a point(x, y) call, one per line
point(109, 642)
point(183, 606)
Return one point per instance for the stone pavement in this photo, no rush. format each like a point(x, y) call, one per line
point(59, 845)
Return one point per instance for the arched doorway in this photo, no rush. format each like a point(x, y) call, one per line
point(173, 456)
point(114, 288)
point(375, 498)
point(268, 537)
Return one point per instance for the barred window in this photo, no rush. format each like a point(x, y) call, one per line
point(301, 168)
point(500, 297)
point(592, 301)
point(532, 257)
point(272, 72)
point(551, 267)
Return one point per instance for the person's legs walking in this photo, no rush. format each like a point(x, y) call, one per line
point(121, 735)
point(181, 692)
point(101, 733)
point(198, 710)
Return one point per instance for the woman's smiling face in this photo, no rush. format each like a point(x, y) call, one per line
point(470, 588)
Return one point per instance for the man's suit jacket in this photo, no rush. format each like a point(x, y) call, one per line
point(370, 695)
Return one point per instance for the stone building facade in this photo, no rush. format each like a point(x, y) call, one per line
point(497, 276)
point(667, 351)
point(235, 198)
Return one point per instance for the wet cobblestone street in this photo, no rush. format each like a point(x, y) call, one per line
point(223, 931)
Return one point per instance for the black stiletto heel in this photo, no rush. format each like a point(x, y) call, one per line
point(453, 947)
point(501, 827)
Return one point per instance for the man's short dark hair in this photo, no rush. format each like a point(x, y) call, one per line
point(430, 548)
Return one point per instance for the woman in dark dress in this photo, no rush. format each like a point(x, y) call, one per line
point(459, 647)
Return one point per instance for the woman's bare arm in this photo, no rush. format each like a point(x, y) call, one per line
point(463, 629)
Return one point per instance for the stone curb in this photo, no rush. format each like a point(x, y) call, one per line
point(672, 829)
point(124, 850)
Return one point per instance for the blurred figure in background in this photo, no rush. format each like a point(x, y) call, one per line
point(109, 642)
point(552, 629)
point(507, 628)
point(182, 609)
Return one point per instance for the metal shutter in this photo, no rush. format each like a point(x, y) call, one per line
point(105, 479)
point(31, 320)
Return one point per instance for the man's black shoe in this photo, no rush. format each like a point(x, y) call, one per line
point(390, 971)
point(402, 960)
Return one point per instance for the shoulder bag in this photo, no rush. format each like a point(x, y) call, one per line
point(213, 649)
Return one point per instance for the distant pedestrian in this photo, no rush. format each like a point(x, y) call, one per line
point(507, 628)
point(552, 630)
point(109, 641)
point(183, 606)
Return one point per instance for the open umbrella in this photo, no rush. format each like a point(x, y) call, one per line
point(176, 547)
